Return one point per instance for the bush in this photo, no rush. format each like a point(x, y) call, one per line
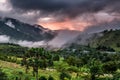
point(109, 67)
point(2, 75)
point(50, 78)
point(56, 58)
point(116, 76)
point(73, 69)
point(42, 78)
point(64, 75)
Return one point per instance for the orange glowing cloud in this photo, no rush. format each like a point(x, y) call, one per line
point(79, 23)
point(66, 24)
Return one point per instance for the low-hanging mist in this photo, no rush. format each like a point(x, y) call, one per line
point(25, 43)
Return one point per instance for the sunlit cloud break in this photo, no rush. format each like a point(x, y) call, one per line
point(62, 14)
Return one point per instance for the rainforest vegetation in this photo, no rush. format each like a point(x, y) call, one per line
point(81, 63)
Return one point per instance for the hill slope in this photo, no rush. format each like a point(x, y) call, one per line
point(21, 31)
point(109, 39)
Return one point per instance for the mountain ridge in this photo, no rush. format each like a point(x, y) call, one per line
point(27, 34)
point(22, 31)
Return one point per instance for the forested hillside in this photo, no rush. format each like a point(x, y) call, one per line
point(109, 39)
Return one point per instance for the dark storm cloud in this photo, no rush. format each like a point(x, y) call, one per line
point(72, 8)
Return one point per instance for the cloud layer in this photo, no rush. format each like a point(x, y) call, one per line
point(7, 39)
point(4, 39)
point(62, 14)
point(70, 8)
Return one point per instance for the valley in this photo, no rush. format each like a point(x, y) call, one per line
point(37, 53)
point(59, 39)
point(84, 62)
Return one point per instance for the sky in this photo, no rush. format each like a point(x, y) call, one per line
point(62, 14)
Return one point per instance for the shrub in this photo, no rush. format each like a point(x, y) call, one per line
point(50, 78)
point(3, 76)
point(42, 78)
point(64, 75)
